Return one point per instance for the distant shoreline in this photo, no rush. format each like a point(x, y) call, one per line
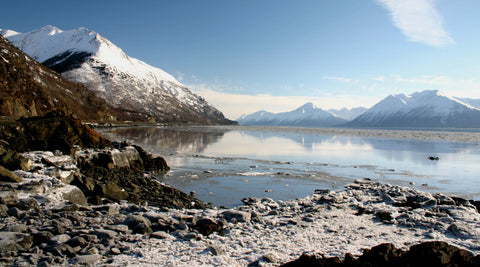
point(456, 135)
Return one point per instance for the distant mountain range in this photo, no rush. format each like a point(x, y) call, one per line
point(28, 88)
point(118, 87)
point(307, 115)
point(426, 109)
point(133, 89)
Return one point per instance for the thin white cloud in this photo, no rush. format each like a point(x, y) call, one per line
point(419, 21)
point(469, 88)
point(432, 80)
point(339, 79)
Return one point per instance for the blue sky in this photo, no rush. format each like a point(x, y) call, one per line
point(245, 55)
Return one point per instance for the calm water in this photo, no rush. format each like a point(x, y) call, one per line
point(224, 166)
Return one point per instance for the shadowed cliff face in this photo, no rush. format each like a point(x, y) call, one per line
point(27, 88)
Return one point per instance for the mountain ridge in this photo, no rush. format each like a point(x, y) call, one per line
point(428, 108)
point(134, 89)
point(307, 115)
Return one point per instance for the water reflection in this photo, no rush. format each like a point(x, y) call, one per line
point(165, 140)
point(307, 161)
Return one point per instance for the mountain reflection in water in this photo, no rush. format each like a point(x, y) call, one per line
point(223, 165)
point(165, 140)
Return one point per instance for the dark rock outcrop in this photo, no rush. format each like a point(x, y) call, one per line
point(434, 253)
point(108, 172)
point(54, 131)
point(126, 173)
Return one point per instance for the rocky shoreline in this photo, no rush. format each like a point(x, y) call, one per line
point(83, 200)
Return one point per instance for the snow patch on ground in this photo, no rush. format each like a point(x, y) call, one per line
point(327, 223)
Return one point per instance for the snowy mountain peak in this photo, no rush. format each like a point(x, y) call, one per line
point(8, 33)
point(429, 108)
point(50, 30)
point(307, 115)
point(308, 107)
point(130, 85)
point(51, 42)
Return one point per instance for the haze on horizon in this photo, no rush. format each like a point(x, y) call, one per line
point(246, 56)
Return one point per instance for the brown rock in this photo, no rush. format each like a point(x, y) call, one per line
point(113, 191)
point(8, 176)
point(8, 198)
point(207, 226)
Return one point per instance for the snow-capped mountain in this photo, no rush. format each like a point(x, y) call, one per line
point(136, 90)
point(429, 108)
point(28, 88)
point(307, 115)
point(347, 114)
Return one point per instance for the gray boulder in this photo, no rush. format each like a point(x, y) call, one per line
point(8, 198)
point(76, 196)
point(12, 242)
point(86, 260)
point(237, 216)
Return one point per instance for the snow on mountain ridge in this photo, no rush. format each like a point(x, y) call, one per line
point(429, 108)
point(8, 33)
point(307, 115)
point(51, 41)
point(138, 90)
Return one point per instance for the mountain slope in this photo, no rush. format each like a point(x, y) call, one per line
point(28, 88)
point(422, 109)
point(307, 115)
point(136, 90)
